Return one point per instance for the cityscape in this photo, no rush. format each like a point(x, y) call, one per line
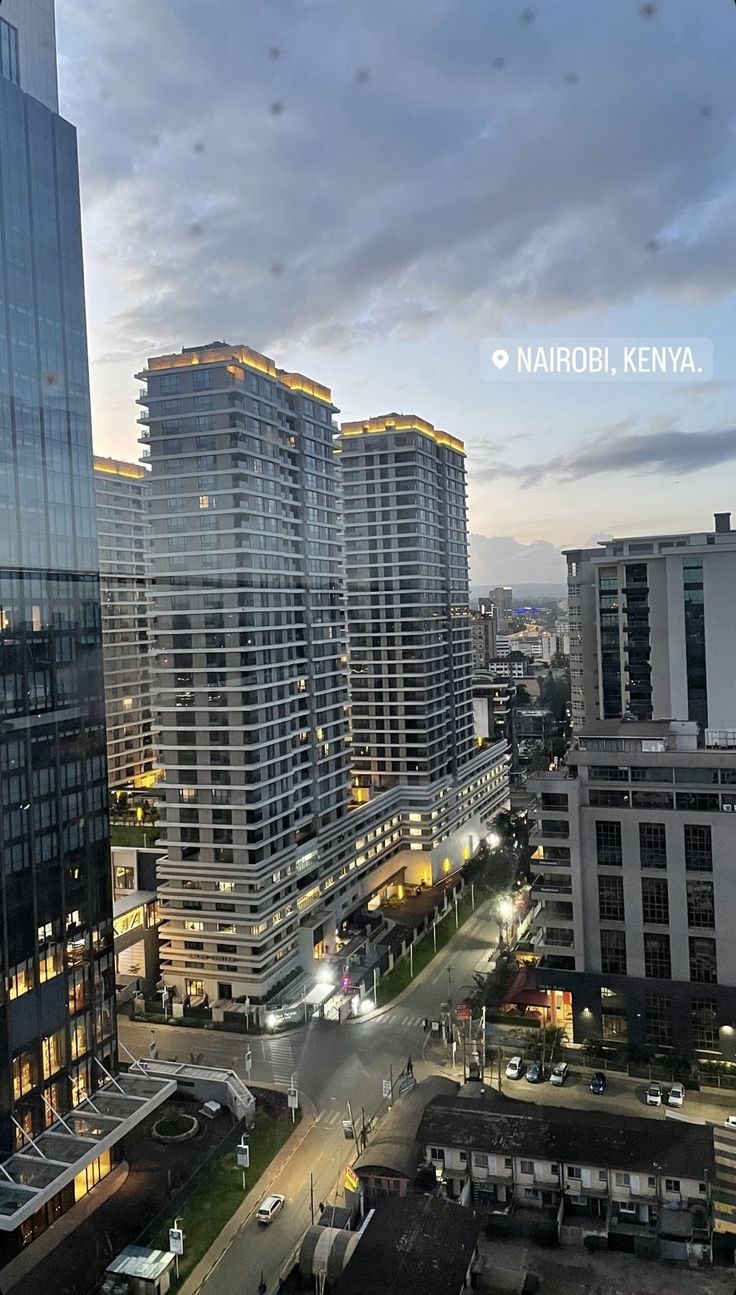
point(367, 780)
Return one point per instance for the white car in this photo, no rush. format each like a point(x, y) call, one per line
point(676, 1095)
point(654, 1094)
point(730, 1122)
point(515, 1068)
point(270, 1207)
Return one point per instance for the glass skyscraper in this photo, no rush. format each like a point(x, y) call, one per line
point(57, 987)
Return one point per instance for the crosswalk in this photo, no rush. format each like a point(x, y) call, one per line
point(278, 1056)
point(724, 1180)
point(407, 1020)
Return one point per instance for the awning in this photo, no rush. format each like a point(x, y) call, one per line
point(523, 992)
point(319, 995)
point(45, 1164)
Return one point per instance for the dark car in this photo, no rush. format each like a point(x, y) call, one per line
point(598, 1082)
point(534, 1073)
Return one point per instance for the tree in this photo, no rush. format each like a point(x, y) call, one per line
point(523, 696)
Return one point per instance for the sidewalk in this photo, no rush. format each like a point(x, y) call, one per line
point(221, 1245)
point(465, 928)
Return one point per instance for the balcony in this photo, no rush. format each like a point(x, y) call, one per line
point(543, 889)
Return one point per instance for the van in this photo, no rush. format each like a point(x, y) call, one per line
point(515, 1068)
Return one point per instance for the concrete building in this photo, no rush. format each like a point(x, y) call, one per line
point(586, 1173)
point(483, 625)
point(270, 841)
point(651, 622)
point(136, 920)
point(250, 665)
point(493, 701)
point(57, 1006)
point(123, 531)
point(502, 597)
point(635, 885)
point(406, 568)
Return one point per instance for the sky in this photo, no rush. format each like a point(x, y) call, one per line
point(365, 190)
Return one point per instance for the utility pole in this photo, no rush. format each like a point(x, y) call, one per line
point(352, 1122)
point(311, 1197)
point(483, 1043)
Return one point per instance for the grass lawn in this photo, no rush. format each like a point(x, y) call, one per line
point(220, 1191)
point(131, 834)
point(394, 981)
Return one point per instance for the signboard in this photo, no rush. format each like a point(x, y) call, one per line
point(293, 1099)
point(176, 1241)
point(352, 1182)
point(244, 1156)
point(387, 1087)
point(406, 1084)
point(464, 1012)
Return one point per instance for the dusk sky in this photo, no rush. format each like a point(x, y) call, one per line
point(365, 189)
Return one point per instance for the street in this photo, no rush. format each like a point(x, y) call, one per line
point(340, 1063)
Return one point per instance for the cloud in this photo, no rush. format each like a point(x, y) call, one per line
point(668, 453)
point(435, 184)
point(501, 559)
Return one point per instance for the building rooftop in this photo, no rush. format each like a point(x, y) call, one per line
point(600, 1140)
point(412, 1244)
point(48, 1162)
point(402, 423)
point(138, 1261)
point(395, 1148)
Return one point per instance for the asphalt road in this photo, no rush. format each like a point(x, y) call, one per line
point(336, 1064)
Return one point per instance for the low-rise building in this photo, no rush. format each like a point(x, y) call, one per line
point(585, 1172)
point(420, 1243)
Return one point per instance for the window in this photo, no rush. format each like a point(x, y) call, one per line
point(437, 1153)
point(611, 899)
point(697, 691)
point(658, 1011)
point(698, 802)
point(672, 1184)
point(622, 1180)
point(573, 1171)
point(508, 1162)
point(9, 52)
point(657, 962)
point(169, 384)
point(698, 848)
point(705, 1030)
point(526, 1166)
point(651, 799)
point(703, 964)
point(652, 845)
point(615, 1024)
point(655, 900)
point(608, 843)
point(201, 379)
point(480, 1160)
point(700, 904)
point(613, 952)
point(608, 798)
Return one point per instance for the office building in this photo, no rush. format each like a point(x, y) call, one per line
point(635, 885)
point(651, 628)
point(406, 566)
point(123, 531)
point(502, 597)
point(57, 1008)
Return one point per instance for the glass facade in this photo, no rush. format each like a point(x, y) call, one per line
point(697, 691)
point(610, 639)
point(638, 642)
point(57, 1005)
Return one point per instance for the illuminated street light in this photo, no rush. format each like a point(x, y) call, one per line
point(271, 1021)
point(366, 1006)
point(493, 840)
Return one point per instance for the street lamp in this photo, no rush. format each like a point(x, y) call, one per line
point(493, 840)
point(505, 911)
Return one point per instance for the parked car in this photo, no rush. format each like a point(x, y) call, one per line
point(269, 1207)
point(654, 1094)
point(598, 1082)
point(730, 1122)
point(676, 1095)
point(534, 1073)
point(559, 1074)
point(515, 1068)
